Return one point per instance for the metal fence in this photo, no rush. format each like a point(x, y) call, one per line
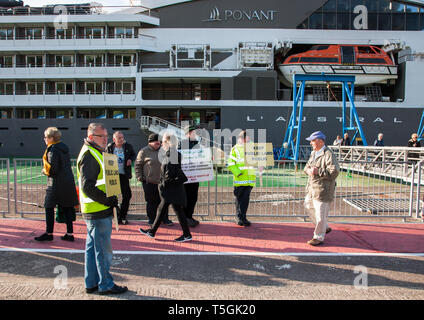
point(364, 189)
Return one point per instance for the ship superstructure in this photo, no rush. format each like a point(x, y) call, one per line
point(213, 63)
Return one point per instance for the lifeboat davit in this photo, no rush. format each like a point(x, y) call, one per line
point(369, 64)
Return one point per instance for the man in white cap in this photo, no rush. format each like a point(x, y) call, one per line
point(322, 170)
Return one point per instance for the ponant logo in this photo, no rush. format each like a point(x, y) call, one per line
point(241, 15)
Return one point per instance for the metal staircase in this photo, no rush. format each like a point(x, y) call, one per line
point(159, 126)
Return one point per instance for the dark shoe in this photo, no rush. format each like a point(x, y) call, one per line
point(44, 237)
point(240, 223)
point(68, 237)
point(315, 242)
point(91, 290)
point(184, 238)
point(246, 223)
point(328, 230)
point(115, 290)
point(168, 222)
point(147, 232)
point(192, 223)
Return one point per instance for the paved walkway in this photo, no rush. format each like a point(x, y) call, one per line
point(267, 261)
point(227, 237)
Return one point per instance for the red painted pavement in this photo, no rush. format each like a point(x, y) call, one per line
point(228, 237)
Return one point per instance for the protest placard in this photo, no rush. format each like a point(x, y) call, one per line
point(113, 186)
point(197, 164)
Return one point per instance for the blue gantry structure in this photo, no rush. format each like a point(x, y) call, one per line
point(290, 148)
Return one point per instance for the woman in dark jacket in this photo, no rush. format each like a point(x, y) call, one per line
point(171, 188)
point(61, 189)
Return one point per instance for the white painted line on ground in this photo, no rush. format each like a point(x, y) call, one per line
point(210, 253)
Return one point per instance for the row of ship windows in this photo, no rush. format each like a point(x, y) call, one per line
point(67, 60)
point(375, 21)
point(10, 33)
point(100, 87)
point(82, 113)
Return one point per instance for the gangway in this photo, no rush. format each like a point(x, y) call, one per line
point(159, 126)
point(290, 149)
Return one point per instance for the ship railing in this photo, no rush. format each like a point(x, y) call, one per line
point(70, 10)
point(279, 192)
point(384, 160)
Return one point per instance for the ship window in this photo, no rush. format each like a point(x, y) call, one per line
point(398, 7)
point(330, 6)
point(329, 21)
point(318, 59)
point(34, 33)
point(294, 59)
point(422, 20)
point(412, 21)
point(384, 21)
point(398, 21)
point(6, 88)
point(315, 21)
point(6, 61)
point(343, 5)
point(34, 61)
point(371, 60)
point(64, 61)
point(372, 21)
point(343, 21)
point(5, 114)
point(123, 32)
point(6, 34)
point(384, 5)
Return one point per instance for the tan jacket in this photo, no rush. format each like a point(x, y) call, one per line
point(323, 185)
point(147, 165)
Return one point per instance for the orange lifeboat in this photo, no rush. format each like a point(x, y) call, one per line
point(369, 64)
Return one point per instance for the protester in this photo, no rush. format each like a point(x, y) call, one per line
point(97, 211)
point(126, 155)
point(379, 142)
point(322, 170)
point(171, 188)
point(191, 189)
point(61, 190)
point(147, 171)
point(346, 140)
point(338, 141)
point(244, 178)
point(414, 143)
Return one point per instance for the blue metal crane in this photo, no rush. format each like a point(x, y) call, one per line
point(290, 149)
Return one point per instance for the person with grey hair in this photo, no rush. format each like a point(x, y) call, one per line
point(97, 211)
point(171, 188)
point(61, 190)
point(126, 155)
point(322, 170)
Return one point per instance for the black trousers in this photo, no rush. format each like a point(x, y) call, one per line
point(192, 192)
point(242, 200)
point(152, 197)
point(163, 210)
point(50, 219)
point(126, 197)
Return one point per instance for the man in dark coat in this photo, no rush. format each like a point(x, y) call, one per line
point(191, 189)
point(126, 155)
point(171, 188)
point(61, 190)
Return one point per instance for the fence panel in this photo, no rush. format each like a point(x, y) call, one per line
point(279, 192)
point(5, 197)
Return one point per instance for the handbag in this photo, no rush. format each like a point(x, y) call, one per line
point(60, 214)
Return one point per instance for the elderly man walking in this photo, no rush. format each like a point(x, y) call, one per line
point(322, 170)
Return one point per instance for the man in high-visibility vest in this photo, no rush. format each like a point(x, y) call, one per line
point(244, 178)
point(97, 211)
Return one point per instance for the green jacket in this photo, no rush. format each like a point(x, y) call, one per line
point(243, 175)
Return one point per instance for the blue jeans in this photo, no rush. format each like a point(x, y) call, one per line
point(98, 254)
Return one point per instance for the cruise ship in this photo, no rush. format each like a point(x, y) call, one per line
point(218, 64)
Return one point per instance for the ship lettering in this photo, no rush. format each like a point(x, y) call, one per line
point(280, 119)
point(258, 15)
point(378, 119)
point(248, 119)
point(361, 20)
